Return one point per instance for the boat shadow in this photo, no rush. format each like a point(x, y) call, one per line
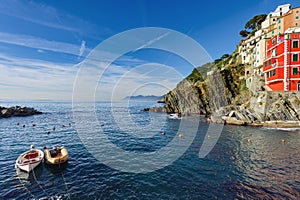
point(32, 176)
point(56, 169)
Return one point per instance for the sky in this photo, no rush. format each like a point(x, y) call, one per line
point(46, 44)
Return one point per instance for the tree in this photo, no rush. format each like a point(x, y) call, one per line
point(244, 33)
point(224, 56)
point(255, 23)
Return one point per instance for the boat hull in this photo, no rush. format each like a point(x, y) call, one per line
point(26, 163)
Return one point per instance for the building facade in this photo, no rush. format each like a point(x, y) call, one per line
point(282, 63)
point(253, 49)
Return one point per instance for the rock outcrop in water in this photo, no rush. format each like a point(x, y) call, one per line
point(17, 111)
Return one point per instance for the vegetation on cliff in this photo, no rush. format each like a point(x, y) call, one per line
point(218, 90)
point(198, 92)
point(253, 25)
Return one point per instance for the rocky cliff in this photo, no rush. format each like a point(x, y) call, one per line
point(219, 92)
point(208, 88)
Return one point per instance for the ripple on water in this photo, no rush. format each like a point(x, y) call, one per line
point(264, 168)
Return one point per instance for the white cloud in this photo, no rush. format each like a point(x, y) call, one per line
point(40, 43)
point(82, 48)
point(35, 79)
point(45, 15)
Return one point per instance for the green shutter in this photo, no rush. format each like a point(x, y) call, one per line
point(295, 71)
point(296, 44)
point(295, 57)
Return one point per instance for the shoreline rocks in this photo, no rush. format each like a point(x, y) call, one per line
point(17, 111)
point(264, 109)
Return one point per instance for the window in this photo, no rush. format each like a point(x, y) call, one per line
point(274, 72)
point(295, 71)
point(297, 17)
point(295, 57)
point(279, 20)
point(269, 62)
point(295, 44)
point(273, 41)
point(296, 24)
point(273, 32)
point(279, 27)
point(297, 11)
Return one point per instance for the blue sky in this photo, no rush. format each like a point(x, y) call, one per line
point(44, 43)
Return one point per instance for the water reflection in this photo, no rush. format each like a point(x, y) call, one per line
point(266, 167)
point(31, 177)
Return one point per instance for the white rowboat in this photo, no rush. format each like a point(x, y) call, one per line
point(28, 160)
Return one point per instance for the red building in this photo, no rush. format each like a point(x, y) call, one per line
point(281, 66)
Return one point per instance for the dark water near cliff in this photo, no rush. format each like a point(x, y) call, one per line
point(265, 168)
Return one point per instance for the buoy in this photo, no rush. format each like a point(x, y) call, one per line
point(283, 141)
point(69, 124)
point(249, 140)
point(24, 126)
point(53, 128)
point(63, 126)
point(33, 124)
point(163, 133)
point(44, 147)
point(180, 135)
point(48, 132)
point(102, 124)
point(18, 123)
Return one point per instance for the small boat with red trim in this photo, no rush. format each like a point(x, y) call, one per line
point(30, 159)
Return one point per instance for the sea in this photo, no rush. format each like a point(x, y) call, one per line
point(118, 151)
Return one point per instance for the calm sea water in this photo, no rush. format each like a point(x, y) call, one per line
point(264, 168)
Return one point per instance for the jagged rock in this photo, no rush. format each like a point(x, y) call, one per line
point(157, 109)
point(17, 111)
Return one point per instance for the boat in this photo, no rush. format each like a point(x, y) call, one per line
point(30, 159)
point(57, 155)
point(175, 116)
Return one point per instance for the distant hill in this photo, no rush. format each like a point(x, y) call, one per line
point(144, 98)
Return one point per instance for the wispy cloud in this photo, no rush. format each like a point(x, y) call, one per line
point(47, 16)
point(150, 42)
point(41, 44)
point(37, 78)
point(82, 48)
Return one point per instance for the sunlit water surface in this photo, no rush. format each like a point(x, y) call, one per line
point(235, 168)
